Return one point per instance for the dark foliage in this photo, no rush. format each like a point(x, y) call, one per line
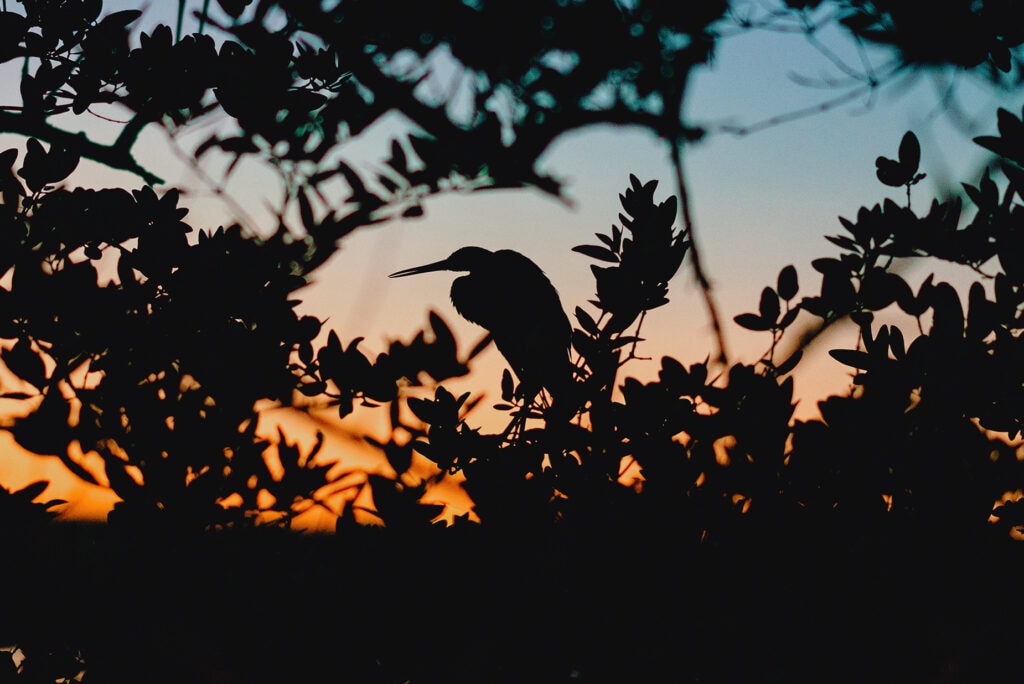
point(963, 33)
point(687, 528)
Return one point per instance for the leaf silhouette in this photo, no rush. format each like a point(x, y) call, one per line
point(753, 322)
point(769, 306)
point(902, 172)
point(599, 253)
point(787, 285)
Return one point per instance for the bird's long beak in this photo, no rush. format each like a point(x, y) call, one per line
point(427, 268)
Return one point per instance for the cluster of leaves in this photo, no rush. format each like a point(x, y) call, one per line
point(719, 452)
point(644, 262)
point(517, 475)
point(299, 78)
point(573, 470)
point(153, 351)
point(166, 348)
point(961, 33)
point(19, 509)
point(157, 367)
point(130, 341)
point(345, 374)
point(925, 390)
point(513, 81)
point(772, 317)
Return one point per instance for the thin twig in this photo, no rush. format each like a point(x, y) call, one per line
point(795, 115)
point(107, 118)
point(636, 337)
point(838, 62)
point(864, 60)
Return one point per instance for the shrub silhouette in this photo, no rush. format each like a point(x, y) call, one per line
point(872, 543)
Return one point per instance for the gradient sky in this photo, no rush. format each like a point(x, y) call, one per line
point(760, 202)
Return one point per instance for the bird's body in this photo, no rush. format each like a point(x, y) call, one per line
point(509, 295)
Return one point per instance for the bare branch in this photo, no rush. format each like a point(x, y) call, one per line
point(114, 156)
point(796, 114)
point(698, 269)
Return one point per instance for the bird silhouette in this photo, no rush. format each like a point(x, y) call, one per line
point(509, 296)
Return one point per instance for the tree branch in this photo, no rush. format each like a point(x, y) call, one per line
point(698, 269)
point(114, 156)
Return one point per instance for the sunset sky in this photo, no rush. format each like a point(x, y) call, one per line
point(761, 202)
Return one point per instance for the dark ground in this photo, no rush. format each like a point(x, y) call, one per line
point(462, 605)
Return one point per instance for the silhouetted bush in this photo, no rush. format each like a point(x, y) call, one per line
point(871, 544)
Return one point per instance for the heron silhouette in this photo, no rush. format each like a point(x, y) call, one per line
point(509, 296)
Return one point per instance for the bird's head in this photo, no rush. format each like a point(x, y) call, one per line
point(462, 259)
